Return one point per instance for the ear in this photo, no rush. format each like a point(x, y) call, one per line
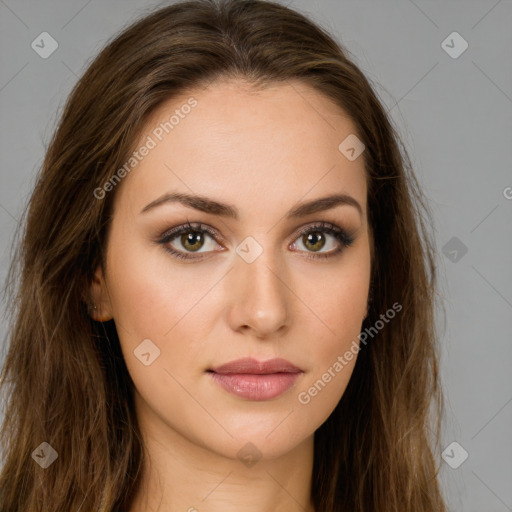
point(100, 308)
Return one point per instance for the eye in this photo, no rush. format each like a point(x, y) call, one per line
point(313, 238)
point(191, 238)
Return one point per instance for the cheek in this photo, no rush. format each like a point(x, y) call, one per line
point(149, 296)
point(333, 360)
point(157, 299)
point(338, 315)
point(338, 307)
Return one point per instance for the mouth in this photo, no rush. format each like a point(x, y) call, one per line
point(256, 380)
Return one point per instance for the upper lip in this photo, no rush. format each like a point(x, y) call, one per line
point(252, 366)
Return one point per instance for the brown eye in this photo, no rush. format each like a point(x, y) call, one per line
point(314, 240)
point(192, 241)
point(182, 241)
point(188, 239)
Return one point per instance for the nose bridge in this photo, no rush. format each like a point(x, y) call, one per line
point(262, 272)
point(261, 292)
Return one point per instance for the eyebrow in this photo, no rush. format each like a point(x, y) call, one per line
point(208, 205)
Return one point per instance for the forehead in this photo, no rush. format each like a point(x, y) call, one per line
point(249, 147)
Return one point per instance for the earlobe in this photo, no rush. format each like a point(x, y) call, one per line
point(99, 306)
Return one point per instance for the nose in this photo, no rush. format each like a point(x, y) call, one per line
point(260, 297)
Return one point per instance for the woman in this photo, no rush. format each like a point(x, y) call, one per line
point(292, 363)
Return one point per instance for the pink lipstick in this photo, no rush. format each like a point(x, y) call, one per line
point(256, 380)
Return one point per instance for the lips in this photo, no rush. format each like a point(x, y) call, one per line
point(256, 380)
point(254, 367)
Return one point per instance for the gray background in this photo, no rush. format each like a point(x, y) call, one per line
point(455, 117)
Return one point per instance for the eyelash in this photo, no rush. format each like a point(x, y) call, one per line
point(341, 235)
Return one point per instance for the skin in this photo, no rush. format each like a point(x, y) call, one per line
point(263, 152)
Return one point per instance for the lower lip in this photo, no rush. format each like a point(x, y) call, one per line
point(256, 387)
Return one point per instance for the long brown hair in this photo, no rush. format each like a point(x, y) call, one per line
point(64, 377)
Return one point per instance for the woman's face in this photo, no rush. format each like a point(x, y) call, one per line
point(252, 168)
